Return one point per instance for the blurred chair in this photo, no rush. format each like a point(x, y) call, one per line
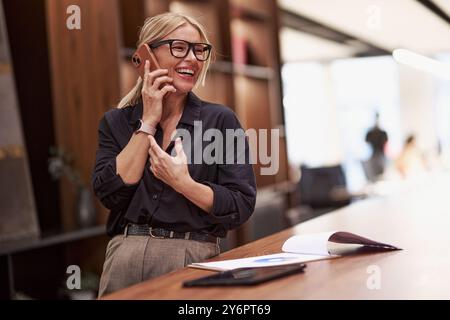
point(229, 242)
point(299, 214)
point(268, 218)
point(324, 187)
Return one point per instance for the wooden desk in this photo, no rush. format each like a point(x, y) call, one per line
point(416, 219)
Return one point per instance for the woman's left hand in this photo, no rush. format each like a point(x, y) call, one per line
point(171, 170)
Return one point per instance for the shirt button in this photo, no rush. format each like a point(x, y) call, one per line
point(155, 196)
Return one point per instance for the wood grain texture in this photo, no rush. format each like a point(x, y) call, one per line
point(414, 218)
point(85, 82)
point(132, 17)
point(218, 89)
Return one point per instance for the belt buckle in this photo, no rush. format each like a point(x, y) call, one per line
point(153, 236)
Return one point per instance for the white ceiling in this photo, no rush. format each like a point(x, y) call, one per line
point(388, 24)
point(299, 46)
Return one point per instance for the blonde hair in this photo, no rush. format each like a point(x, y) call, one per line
point(154, 29)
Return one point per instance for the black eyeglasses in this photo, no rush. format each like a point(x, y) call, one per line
point(180, 48)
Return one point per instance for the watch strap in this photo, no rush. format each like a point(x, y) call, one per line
point(146, 128)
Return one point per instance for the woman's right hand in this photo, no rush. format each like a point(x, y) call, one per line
point(155, 86)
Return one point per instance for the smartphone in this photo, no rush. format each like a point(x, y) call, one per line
point(142, 54)
point(246, 276)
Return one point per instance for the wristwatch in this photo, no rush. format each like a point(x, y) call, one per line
point(141, 126)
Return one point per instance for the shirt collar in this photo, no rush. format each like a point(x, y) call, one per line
point(191, 111)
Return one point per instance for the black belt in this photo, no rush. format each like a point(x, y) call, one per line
point(146, 230)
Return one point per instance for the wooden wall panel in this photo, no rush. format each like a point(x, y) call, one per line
point(132, 16)
point(283, 173)
point(277, 109)
point(155, 7)
point(263, 7)
point(258, 91)
point(218, 89)
point(85, 79)
point(252, 106)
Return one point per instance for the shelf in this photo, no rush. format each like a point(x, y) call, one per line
point(252, 42)
point(241, 12)
point(258, 10)
point(12, 247)
point(257, 72)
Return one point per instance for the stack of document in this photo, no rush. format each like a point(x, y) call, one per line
point(300, 248)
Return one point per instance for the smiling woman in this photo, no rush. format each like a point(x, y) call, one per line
point(174, 25)
point(165, 212)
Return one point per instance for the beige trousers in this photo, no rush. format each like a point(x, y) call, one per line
point(133, 259)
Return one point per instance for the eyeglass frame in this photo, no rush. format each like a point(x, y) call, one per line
point(191, 47)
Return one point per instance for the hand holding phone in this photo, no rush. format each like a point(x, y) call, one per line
point(142, 54)
point(156, 84)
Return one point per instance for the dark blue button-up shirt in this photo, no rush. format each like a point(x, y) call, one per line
point(156, 203)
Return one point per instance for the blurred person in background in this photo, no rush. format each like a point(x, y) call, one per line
point(411, 161)
point(377, 139)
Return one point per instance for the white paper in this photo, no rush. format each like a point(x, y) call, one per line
point(261, 261)
point(296, 249)
point(316, 243)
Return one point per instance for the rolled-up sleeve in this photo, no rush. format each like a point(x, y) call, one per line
point(107, 184)
point(235, 186)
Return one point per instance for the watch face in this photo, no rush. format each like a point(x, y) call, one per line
point(137, 125)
